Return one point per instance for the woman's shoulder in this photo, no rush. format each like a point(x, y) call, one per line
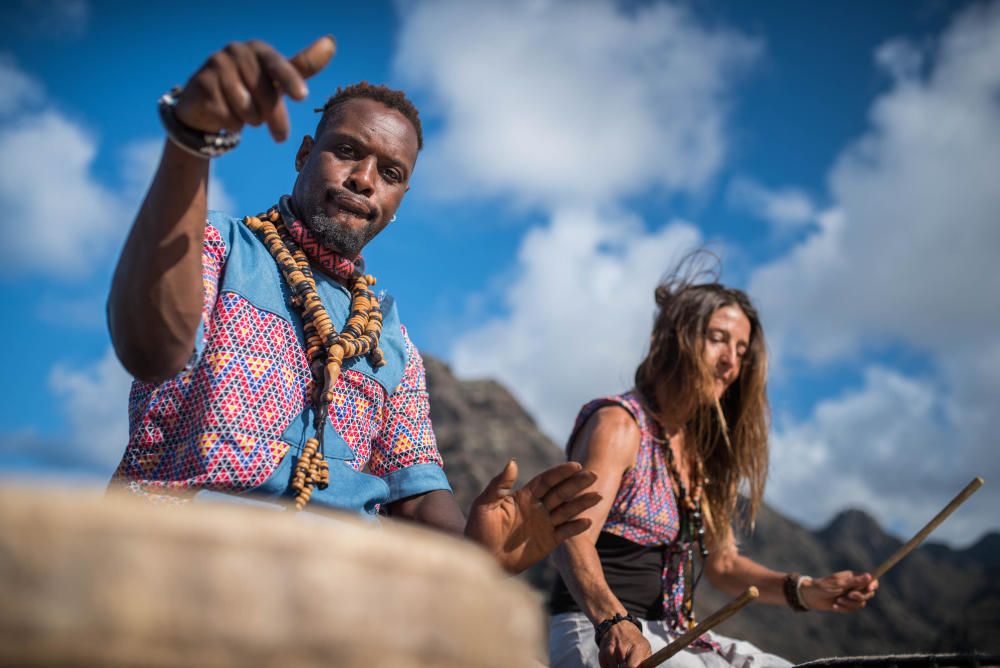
point(620, 415)
point(609, 434)
point(625, 406)
point(615, 416)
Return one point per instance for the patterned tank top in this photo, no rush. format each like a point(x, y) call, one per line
point(645, 510)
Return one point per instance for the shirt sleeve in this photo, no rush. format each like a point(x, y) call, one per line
point(405, 452)
point(213, 260)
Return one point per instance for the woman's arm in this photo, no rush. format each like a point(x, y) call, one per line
point(731, 572)
point(608, 445)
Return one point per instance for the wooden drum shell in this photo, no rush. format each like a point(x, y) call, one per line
point(116, 581)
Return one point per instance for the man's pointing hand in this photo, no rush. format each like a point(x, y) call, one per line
point(245, 83)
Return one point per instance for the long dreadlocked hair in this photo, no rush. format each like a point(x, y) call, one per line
point(394, 99)
point(728, 437)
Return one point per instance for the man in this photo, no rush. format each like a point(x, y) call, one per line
point(257, 372)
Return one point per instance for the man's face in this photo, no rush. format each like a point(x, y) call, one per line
point(352, 178)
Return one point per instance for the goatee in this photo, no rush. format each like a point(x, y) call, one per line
point(338, 238)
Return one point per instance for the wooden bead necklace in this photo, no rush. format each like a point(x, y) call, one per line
point(692, 522)
point(326, 348)
point(692, 530)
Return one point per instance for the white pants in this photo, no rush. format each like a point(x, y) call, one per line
point(571, 645)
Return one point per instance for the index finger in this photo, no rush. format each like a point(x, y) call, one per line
point(282, 75)
point(314, 57)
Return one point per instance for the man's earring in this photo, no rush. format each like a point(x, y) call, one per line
point(393, 219)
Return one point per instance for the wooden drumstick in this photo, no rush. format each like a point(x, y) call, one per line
point(716, 618)
point(976, 483)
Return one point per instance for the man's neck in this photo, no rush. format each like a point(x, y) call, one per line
point(330, 262)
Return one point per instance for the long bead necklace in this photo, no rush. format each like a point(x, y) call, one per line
point(692, 525)
point(326, 349)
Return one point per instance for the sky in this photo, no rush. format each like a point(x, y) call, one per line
point(842, 159)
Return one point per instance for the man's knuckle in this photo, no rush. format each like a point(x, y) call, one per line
point(197, 86)
point(215, 108)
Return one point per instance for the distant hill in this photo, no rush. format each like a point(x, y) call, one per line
point(936, 600)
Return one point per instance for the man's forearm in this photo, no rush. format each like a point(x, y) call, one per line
point(437, 509)
point(156, 295)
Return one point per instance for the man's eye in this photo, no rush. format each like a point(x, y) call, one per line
point(392, 175)
point(346, 150)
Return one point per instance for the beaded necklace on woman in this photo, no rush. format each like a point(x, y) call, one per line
point(692, 524)
point(326, 348)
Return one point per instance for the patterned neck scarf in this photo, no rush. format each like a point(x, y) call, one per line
point(330, 262)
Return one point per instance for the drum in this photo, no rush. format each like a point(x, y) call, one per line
point(908, 661)
point(109, 581)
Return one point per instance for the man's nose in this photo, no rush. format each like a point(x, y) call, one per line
point(361, 179)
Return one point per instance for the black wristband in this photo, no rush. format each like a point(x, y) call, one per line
point(790, 587)
point(601, 630)
point(196, 142)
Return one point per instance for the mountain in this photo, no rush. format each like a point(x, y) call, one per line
point(480, 426)
point(936, 600)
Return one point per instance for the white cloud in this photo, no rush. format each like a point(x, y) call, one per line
point(48, 185)
point(785, 208)
point(890, 449)
point(558, 103)
point(570, 107)
point(905, 258)
point(53, 201)
point(579, 312)
point(94, 399)
point(50, 197)
point(901, 59)
point(914, 257)
point(19, 89)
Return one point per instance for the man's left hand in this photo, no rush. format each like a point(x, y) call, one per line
point(521, 527)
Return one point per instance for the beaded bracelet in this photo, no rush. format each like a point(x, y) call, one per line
point(198, 143)
point(606, 625)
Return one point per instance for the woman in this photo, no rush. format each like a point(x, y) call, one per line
point(672, 455)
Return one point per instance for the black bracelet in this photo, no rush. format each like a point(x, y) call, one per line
point(605, 626)
point(790, 587)
point(196, 142)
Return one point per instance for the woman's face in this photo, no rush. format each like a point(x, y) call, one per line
point(727, 339)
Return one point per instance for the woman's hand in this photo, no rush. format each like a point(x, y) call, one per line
point(843, 591)
point(623, 646)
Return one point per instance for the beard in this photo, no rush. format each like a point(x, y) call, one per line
point(338, 238)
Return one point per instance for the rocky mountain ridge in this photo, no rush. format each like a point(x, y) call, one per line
point(936, 600)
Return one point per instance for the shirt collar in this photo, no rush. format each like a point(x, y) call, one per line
point(330, 262)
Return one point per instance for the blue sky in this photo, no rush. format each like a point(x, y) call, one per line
point(840, 157)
